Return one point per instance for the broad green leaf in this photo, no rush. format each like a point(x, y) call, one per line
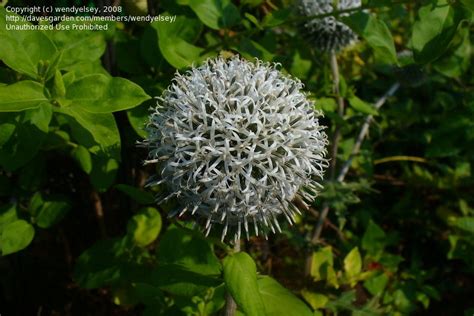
point(326, 104)
point(8, 214)
point(376, 284)
point(277, 17)
point(138, 117)
point(374, 238)
point(322, 266)
point(83, 157)
point(435, 29)
point(20, 96)
point(174, 40)
point(377, 35)
point(97, 132)
point(251, 49)
point(454, 63)
point(316, 300)
point(105, 264)
point(144, 227)
point(240, 275)
point(104, 170)
point(16, 236)
point(361, 106)
point(216, 13)
point(78, 46)
point(80, 70)
point(279, 301)
point(189, 251)
point(465, 223)
point(103, 94)
point(30, 129)
point(52, 210)
point(25, 50)
point(353, 265)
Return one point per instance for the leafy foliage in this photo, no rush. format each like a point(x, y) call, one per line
point(76, 218)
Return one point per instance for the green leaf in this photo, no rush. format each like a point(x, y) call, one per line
point(16, 236)
point(29, 131)
point(316, 300)
point(361, 106)
point(20, 96)
point(138, 117)
point(216, 13)
point(96, 132)
point(189, 251)
point(465, 223)
point(377, 35)
point(322, 266)
point(277, 17)
point(174, 42)
point(52, 210)
point(454, 63)
point(103, 94)
point(99, 134)
point(78, 46)
point(27, 52)
point(374, 238)
point(138, 195)
point(435, 29)
point(83, 157)
point(8, 214)
point(144, 227)
point(376, 284)
point(279, 301)
point(353, 265)
point(104, 171)
point(106, 263)
point(240, 275)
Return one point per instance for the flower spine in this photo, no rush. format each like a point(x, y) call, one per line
point(327, 34)
point(236, 142)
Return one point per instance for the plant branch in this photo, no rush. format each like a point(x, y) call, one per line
point(340, 112)
point(345, 168)
point(99, 212)
point(364, 130)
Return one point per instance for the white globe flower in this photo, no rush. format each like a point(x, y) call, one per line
point(235, 141)
point(327, 34)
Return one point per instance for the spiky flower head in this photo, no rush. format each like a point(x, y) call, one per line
point(327, 34)
point(234, 142)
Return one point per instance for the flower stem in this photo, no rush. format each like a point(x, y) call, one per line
point(230, 305)
point(340, 112)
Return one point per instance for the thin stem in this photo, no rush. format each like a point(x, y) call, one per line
point(340, 112)
point(345, 168)
point(364, 130)
point(99, 213)
point(230, 305)
point(333, 154)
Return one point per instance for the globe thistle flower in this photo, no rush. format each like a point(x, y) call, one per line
point(327, 34)
point(234, 142)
